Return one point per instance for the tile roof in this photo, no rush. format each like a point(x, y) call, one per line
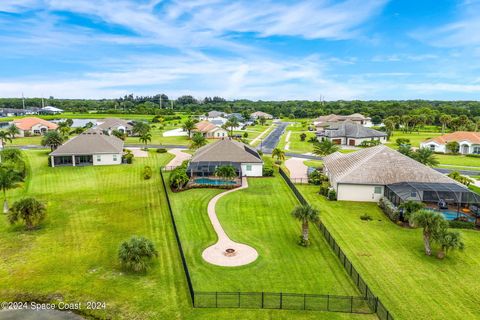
point(90, 142)
point(351, 129)
point(335, 118)
point(28, 123)
point(379, 165)
point(205, 126)
point(261, 114)
point(227, 150)
point(472, 137)
point(113, 123)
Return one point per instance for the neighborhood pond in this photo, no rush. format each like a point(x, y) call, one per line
point(78, 123)
point(28, 314)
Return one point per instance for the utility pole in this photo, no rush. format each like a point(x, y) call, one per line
point(160, 101)
point(23, 101)
point(171, 104)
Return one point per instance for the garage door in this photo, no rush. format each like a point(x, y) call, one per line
point(351, 142)
point(337, 141)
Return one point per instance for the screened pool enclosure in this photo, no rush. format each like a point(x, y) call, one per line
point(439, 196)
point(207, 168)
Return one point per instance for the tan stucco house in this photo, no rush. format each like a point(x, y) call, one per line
point(469, 142)
point(210, 130)
point(33, 126)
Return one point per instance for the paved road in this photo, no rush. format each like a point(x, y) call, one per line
point(271, 141)
point(464, 172)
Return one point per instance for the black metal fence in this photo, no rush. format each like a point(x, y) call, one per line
point(373, 301)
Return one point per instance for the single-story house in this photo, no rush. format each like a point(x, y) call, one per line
point(364, 175)
point(322, 121)
point(33, 126)
point(215, 114)
point(92, 147)
point(259, 114)
point(350, 133)
point(244, 158)
point(110, 124)
point(50, 110)
point(210, 130)
point(11, 112)
point(469, 142)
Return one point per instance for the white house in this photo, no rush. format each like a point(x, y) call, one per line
point(50, 110)
point(244, 158)
point(469, 142)
point(110, 124)
point(350, 133)
point(210, 130)
point(33, 126)
point(92, 147)
point(259, 114)
point(363, 175)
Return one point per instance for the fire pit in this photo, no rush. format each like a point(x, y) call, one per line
point(229, 252)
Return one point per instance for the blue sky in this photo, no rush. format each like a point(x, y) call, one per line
point(263, 49)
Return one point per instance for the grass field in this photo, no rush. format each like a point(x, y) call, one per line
point(458, 160)
point(415, 137)
point(392, 261)
point(91, 210)
point(260, 217)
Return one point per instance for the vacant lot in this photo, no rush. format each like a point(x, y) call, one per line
point(392, 261)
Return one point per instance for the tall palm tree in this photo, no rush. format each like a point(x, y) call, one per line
point(13, 130)
point(409, 207)
point(188, 126)
point(432, 222)
point(9, 179)
point(306, 213)
point(279, 154)
point(226, 172)
point(145, 138)
point(325, 147)
point(426, 157)
point(444, 119)
point(31, 211)
point(64, 128)
point(52, 139)
point(231, 124)
point(4, 137)
point(198, 141)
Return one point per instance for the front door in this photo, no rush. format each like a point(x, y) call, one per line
point(465, 149)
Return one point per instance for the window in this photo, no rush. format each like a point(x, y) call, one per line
point(476, 150)
point(413, 194)
point(249, 167)
point(432, 147)
point(378, 190)
point(99, 158)
point(114, 157)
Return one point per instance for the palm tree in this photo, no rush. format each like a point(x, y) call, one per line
point(448, 240)
point(455, 175)
point(444, 119)
point(279, 154)
point(13, 130)
point(31, 211)
point(119, 134)
point(432, 222)
point(136, 253)
point(64, 128)
point(9, 179)
point(4, 137)
point(198, 141)
point(53, 139)
point(409, 207)
point(262, 120)
point(426, 157)
point(231, 123)
point(139, 128)
point(306, 213)
point(325, 147)
point(145, 138)
point(189, 125)
point(226, 172)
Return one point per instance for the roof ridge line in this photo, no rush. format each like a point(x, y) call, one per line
point(360, 162)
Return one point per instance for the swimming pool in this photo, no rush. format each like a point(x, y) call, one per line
point(215, 182)
point(452, 215)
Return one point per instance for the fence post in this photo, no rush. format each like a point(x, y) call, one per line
point(263, 298)
point(239, 299)
point(281, 300)
point(216, 299)
point(328, 302)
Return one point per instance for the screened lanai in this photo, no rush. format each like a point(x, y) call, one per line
point(441, 196)
point(207, 168)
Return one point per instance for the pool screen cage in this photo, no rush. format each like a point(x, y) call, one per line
point(207, 168)
point(451, 194)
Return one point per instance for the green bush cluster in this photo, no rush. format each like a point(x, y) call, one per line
point(316, 178)
point(332, 195)
point(161, 150)
point(179, 177)
point(461, 224)
point(147, 172)
point(473, 155)
point(324, 187)
point(389, 209)
point(366, 217)
point(268, 171)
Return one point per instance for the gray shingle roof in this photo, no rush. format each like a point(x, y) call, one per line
point(228, 151)
point(90, 142)
point(379, 165)
point(351, 129)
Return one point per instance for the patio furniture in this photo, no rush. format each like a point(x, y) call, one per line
point(442, 205)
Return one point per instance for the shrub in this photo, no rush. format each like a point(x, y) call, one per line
point(147, 172)
point(366, 217)
point(332, 195)
point(461, 224)
point(324, 187)
point(161, 150)
point(179, 178)
point(453, 147)
point(303, 136)
point(402, 141)
point(128, 158)
point(136, 254)
point(389, 209)
point(316, 178)
point(260, 152)
point(312, 139)
point(473, 155)
point(268, 171)
point(245, 134)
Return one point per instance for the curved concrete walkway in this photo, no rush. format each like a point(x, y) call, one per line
point(180, 156)
point(215, 254)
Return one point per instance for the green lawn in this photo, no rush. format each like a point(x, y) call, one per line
point(313, 163)
point(91, 210)
point(35, 140)
point(458, 160)
point(260, 217)
point(415, 137)
point(392, 261)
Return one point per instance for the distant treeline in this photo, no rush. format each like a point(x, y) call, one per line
point(378, 110)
